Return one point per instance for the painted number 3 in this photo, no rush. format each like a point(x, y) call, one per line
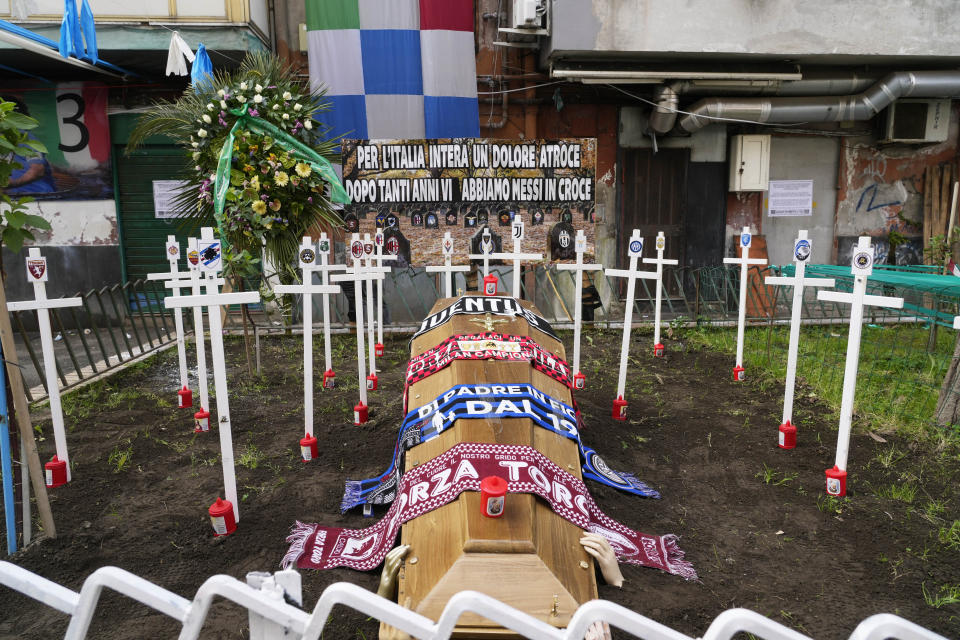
point(75, 119)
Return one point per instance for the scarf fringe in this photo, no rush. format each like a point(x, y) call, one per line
point(641, 486)
point(675, 558)
point(353, 495)
point(298, 537)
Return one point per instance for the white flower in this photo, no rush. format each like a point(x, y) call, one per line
point(243, 86)
point(286, 116)
point(286, 95)
point(308, 124)
point(241, 99)
point(195, 144)
point(297, 107)
point(258, 98)
point(275, 107)
point(202, 133)
point(206, 119)
point(198, 168)
point(223, 104)
point(221, 93)
point(210, 106)
point(196, 155)
point(258, 88)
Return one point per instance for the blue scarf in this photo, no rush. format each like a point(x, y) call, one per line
point(487, 401)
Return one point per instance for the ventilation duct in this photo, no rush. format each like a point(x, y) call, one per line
point(664, 115)
point(861, 106)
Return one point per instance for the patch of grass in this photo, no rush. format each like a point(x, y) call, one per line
point(829, 504)
point(769, 475)
point(889, 457)
point(946, 594)
point(933, 510)
point(897, 491)
point(950, 536)
point(121, 457)
point(251, 457)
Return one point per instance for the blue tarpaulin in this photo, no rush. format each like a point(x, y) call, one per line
point(202, 69)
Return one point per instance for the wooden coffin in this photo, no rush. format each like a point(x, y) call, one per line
point(529, 558)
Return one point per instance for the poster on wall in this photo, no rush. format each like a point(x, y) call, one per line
point(790, 198)
point(74, 129)
point(417, 190)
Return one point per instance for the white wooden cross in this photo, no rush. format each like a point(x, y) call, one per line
point(745, 240)
point(380, 257)
point(358, 275)
point(325, 267)
point(173, 257)
point(37, 274)
point(659, 261)
point(486, 251)
point(635, 250)
point(373, 270)
point(861, 267)
point(308, 260)
point(580, 246)
point(516, 256)
point(802, 250)
point(447, 269)
point(211, 263)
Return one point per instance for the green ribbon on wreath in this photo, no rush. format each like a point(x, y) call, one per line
point(296, 148)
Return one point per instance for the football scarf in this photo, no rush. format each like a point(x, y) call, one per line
point(479, 305)
point(491, 402)
point(487, 346)
point(461, 468)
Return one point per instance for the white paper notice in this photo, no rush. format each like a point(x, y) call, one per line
point(164, 192)
point(790, 198)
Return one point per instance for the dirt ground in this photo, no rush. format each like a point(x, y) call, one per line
point(752, 518)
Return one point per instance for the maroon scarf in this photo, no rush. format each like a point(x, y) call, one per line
point(459, 469)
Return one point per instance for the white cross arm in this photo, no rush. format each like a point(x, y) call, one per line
point(441, 268)
point(51, 303)
point(626, 273)
point(956, 322)
point(183, 284)
point(742, 261)
point(215, 300)
point(793, 282)
point(514, 256)
point(663, 261)
point(873, 301)
point(168, 275)
point(328, 267)
point(306, 288)
point(385, 256)
point(365, 274)
point(573, 266)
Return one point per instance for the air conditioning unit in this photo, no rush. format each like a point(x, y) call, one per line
point(526, 14)
point(916, 121)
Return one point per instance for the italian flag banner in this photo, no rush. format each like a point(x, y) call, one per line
point(397, 69)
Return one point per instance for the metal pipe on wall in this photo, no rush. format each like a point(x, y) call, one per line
point(861, 106)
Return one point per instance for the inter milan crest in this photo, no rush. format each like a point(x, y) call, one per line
point(636, 247)
point(37, 269)
point(356, 249)
point(431, 222)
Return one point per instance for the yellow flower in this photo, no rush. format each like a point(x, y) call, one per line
point(255, 183)
point(260, 207)
point(281, 178)
point(303, 169)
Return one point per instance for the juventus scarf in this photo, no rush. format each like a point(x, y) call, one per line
point(496, 305)
point(459, 469)
point(487, 401)
point(486, 346)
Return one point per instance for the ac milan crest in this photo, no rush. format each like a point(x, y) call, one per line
point(356, 249)
point(37, 269)
point(392, 246)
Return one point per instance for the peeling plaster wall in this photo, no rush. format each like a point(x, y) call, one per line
point(77, 222)
point(777, 27)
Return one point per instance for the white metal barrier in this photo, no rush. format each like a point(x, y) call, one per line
point(272, 618)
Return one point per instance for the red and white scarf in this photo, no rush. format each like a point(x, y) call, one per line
point(459, 469)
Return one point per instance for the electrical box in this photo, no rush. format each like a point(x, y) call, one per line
point(526, 14)
point(749, 163)
point(917, 121)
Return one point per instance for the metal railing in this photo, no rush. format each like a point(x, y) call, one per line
point(272, 618)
